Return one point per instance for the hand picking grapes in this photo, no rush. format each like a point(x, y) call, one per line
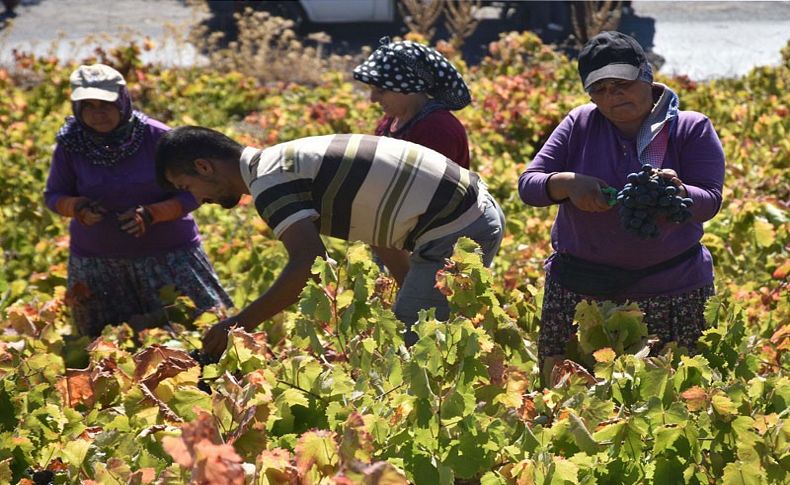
point(648, 195)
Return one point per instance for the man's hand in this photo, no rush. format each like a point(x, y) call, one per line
point(396, 260)
point(135, 221)
point(304, 245)
point(216, 339)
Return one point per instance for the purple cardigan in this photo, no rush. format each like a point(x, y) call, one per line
point(129, 183)
point(587, 143)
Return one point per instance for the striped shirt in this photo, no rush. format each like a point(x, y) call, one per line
point(382, 191)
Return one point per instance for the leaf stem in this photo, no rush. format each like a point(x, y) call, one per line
point(294, 386)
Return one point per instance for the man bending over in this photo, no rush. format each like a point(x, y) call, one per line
point(410, 203)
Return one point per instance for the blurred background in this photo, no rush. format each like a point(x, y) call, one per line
point(702, 40)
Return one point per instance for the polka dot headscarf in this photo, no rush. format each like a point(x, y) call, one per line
point(410, 67)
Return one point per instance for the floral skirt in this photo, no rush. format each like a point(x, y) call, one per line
point(107, 291)
point(677, 318)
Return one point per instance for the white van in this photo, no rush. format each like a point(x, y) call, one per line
point(337, 11)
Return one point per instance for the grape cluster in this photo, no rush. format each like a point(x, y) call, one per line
point(203, 360)
point(42, 477)
point(645, 197)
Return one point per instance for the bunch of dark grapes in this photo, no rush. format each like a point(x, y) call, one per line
point(645, 197)
point(203, 360)
point(42, 477)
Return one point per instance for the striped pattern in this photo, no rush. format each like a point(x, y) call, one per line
point(382, 191)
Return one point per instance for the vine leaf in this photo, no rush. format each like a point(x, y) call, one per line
point(200, 449)
point(76, 387)
point(695, 397)
point(319, 449)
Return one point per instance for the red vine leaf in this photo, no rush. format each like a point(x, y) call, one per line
point(76, 387)
point(156, 363)
point(563, 371)
point(200, 448)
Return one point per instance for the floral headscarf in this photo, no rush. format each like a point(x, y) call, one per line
point(105, 149)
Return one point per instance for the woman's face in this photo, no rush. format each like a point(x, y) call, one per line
point(100, 116)
point(623, 102)
point(392, 103)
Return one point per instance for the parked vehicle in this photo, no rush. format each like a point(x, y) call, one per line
point(553, 21)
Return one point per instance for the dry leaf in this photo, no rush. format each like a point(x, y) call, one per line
point(563, 371)
point(695, 398)
point(76, 387)
point(156, 363)
point(200, 448)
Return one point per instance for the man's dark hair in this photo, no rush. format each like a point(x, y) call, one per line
point(178, 149)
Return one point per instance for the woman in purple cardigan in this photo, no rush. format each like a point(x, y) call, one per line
point(129, 238)
point(632, 121)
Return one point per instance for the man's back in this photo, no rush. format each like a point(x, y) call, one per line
point(383, 191)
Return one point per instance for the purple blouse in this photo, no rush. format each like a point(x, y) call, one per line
point(587, 143)
point(128, 183)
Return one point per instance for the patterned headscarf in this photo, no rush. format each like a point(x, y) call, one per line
point(653, 136)
point(104, 149)
point(645, 73)
point(410, 67)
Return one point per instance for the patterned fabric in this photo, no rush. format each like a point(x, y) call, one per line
point(378, 190)
point(653, 136)
point(100, 148)
point(678, 318)
point(410, 67)
point(645, 73)
point(118, 288)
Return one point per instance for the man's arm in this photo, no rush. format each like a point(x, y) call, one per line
point(304, 245)
point(396, 260)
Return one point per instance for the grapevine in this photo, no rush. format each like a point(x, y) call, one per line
point(291, 404)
